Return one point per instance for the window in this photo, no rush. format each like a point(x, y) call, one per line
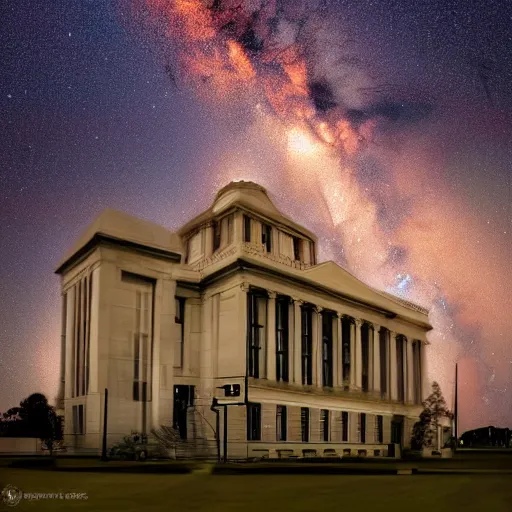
point(379, 430)
point(247, 228)
point(324, 425)
point(383, 361)
point(78, 419)
point(253, 422)
point(182, 400)
point(141, 349)
point(140, 363)
point(257, 319)
point(282, 308)
point(180, 335)
point(304, 424)
point(307, 346)
point(400, 368)
point(216, 235)
point(365, 354)
point(296, 248)
point(140, 290)
point(344, 426)
point(281, 423)
point(362, 427)
point(327, 374)
point(346, 333)
point(266, 237)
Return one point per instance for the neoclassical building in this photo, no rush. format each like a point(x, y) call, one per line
point(164, 320)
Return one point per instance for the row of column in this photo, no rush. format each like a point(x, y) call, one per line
point(356, 356)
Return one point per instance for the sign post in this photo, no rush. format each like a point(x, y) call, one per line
point(230, 391)
point(105, 412)
point(225, 433)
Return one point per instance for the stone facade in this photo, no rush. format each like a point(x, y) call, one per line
point(163, 320)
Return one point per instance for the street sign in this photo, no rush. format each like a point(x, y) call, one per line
point(231, 389)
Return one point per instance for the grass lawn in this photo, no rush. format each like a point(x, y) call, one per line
point(262, 493)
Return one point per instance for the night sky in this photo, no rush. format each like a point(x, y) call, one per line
point(383, 126)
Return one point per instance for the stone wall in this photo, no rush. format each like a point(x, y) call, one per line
point(20, 445)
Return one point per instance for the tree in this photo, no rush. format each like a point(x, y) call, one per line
point(420, 430)
point(426, 430)
point(35, 417)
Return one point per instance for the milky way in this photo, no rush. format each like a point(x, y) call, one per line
point(384, 128)
point(357, 155)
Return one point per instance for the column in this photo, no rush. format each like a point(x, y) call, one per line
point(393, 377)
point(291, 340)
point(93, 333)
point(337, 370)
point(205, 355)
point(423, 371)
point(62, 376)
point(404, 366)
point(359, 355)
point(242, 324)
point(376, 358)
point(70, 342)
point(208, 241)
point(156, 367)
point(370, 357)
point(271, 336)
point(163, 351)
point(238, 227)
point(320, 358)
point(275, 241)
point(80, 332)
point(410, 372)
point(352, 355)
point(316, 326)
point(297, 342)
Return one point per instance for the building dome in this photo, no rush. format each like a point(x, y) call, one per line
point(249, 193)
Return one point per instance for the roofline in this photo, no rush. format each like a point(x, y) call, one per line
point(207, 216)
point(399, 300)
point(241, 264)
point(276, 216)
point(108, 240)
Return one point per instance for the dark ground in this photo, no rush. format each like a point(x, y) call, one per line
point(482, 491)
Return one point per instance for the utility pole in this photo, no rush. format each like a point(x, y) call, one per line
point(105, 413)
point(214, 408)
point(225, 433)
point(456, 408)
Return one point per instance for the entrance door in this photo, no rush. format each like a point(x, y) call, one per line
point(397, 429)
point(183, 399)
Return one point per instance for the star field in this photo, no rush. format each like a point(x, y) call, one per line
point(396, 151)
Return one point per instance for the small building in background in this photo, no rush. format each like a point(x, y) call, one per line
point(486, 437)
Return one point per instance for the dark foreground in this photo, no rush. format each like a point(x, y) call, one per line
point(267, 493)
point(472, 481)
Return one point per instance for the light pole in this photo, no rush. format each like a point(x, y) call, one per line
point(456, 407)
point(105, 412)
